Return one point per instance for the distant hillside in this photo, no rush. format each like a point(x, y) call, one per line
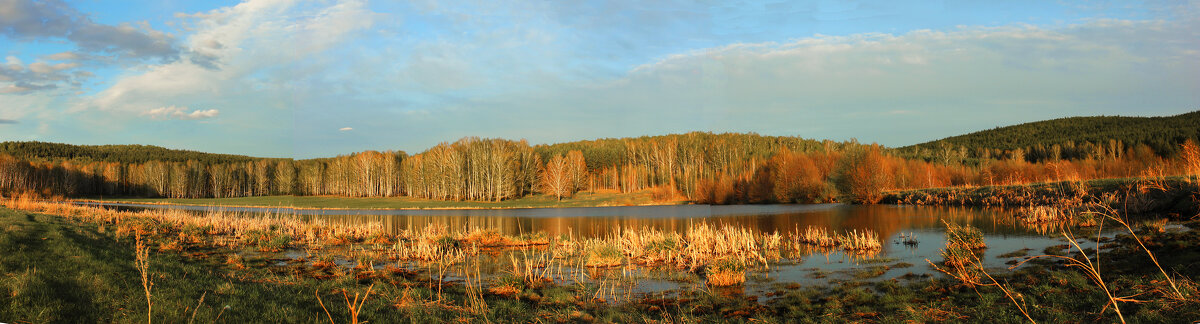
point(1162, 134)
point(111, 153)
point(609, 152)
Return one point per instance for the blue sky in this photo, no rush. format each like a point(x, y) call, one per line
point(286, 78)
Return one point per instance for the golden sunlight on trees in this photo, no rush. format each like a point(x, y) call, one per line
point(863, 175)
point(1191, 157)
point(564, 176)
point(472, 169)
point(798, 178)
point(704, 167)
point(717, 191)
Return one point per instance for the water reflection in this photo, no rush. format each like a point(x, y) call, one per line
point(888, 221)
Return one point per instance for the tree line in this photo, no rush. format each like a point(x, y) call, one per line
point(1075, 138)
point(702, 167)
point(43, 151)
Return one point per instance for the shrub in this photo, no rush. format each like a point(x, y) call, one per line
point(965, 236)
point(797, 179)
point(863, 175)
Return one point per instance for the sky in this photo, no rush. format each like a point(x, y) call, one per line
point(283, 78)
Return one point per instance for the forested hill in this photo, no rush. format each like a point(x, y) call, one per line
point(1162, 134)
point(111, 153)
point(609, 152)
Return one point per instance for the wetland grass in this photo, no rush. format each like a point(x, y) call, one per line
point(265, 290)
point(142, 263)
point(860, 241)
point(725, 272)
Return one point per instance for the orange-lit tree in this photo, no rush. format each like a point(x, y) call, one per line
point(863, 175)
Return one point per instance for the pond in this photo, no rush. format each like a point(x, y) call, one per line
point(814, 268)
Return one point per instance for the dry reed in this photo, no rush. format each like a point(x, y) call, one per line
point(142, 263)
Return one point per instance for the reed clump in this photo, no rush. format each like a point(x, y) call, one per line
point(601, 254)
point(725, 272)
point(1041, 214)
point(533, 270)
point(860, 241)
point(816, 236)
point(486, 237)
point(854, 240)
point(1059, 215)
point(267, 241)
point(963, 243)
point(649, 246)
point(506, 286)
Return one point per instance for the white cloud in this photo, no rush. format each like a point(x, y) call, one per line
point(12, 61)
point(16, 78)
point(63, 56)
point(26, 21)
point(172, 112)
point(894, 88)
point(238, 52)
point(23, 88)
point(30, 20)
point(43, 68)
point(343, 129)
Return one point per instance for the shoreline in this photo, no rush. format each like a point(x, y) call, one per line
point(96, 201)
point(1167, 195)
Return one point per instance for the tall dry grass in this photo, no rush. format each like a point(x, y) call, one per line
point(142, 263)
point(225, 224)
point(968, 267)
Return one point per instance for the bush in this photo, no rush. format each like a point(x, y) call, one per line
point(863, 175)
point(965, 236)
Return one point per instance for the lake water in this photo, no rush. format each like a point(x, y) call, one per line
point(927, 224)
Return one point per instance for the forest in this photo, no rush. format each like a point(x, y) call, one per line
point(1074, 138)
point(701, 167)
point(42, 151)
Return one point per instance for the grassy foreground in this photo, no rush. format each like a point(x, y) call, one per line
point(58, 269)
point(583, 199)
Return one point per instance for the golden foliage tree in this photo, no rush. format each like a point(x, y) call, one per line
point(564, 175)
point(863, 175)
point(1191, 157)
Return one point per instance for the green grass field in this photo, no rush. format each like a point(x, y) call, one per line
point(583, 199)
